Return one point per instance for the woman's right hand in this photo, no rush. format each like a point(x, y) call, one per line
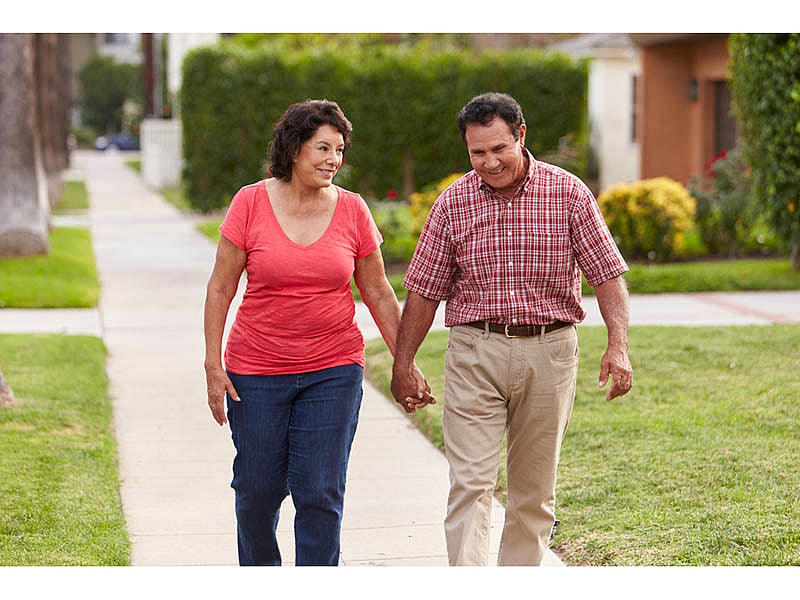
point(217, 383)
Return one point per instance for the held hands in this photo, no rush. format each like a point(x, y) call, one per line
point(217, 383)
point(410, 388)
point(615, 362)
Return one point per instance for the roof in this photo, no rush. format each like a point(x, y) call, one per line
point(597, 45)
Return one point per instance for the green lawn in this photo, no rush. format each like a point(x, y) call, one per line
point(73, 199)
point(697, 465)
point(714, 276)
point(58, 467)
point(64, 278)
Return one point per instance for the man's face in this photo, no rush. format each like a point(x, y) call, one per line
point(496, 155)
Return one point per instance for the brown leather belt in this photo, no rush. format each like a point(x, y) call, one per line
point(512, 331)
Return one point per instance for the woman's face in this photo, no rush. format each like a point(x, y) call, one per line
point(320, 157)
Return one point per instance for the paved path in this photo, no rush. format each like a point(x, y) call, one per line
point(175, 462)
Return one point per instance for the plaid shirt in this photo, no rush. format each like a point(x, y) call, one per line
point(517, 261)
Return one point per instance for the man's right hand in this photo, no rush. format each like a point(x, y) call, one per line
point(410, 388)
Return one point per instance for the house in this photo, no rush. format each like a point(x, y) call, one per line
point(659, 103)
point(684, 103)
point(612, 103)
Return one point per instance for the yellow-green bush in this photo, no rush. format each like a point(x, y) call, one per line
point(421, 202)
point(648, 218)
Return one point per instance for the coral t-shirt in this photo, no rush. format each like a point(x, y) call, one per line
point(297, 314)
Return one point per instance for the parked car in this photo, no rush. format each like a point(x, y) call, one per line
point(119, 141)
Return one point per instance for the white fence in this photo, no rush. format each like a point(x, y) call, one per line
point(162, 157)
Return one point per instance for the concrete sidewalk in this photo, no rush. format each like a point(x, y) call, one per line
point(175, 462)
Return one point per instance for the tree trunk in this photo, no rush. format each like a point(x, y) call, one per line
point(24, 207)
point(795, 256)
point(6, 395)
point(51, 60)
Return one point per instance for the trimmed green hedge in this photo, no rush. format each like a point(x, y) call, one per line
point(402, 103)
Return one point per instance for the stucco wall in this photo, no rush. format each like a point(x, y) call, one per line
point(678, 129)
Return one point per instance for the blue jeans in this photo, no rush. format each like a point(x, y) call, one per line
point(292, 435)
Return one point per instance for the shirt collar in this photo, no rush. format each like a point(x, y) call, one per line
point(529, 176)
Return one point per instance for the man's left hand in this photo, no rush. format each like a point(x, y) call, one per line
point(615, 362)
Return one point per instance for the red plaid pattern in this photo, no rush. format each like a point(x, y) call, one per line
point(514, 261)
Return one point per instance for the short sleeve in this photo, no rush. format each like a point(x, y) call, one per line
point(234, 225)
point(368, 235)
point(433, 266)
point(596, 252)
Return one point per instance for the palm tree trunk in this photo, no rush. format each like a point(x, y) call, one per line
point(24, 206)
point(51, 61)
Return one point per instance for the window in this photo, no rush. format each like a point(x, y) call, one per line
point(725, 133)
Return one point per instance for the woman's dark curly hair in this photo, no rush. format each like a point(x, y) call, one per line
point(482, 109)
point(298, 125)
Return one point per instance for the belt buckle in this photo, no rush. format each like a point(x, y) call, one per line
point(508, 335)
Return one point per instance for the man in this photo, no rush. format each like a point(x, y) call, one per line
point(504, 247)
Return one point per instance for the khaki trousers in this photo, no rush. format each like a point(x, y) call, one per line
point(523, 386)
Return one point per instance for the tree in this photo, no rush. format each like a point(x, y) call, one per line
point(24, 206)
point(106, 85)
point(765, 84)
point(51, 67)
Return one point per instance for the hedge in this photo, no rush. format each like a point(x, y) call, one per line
point(402, 103)
point(765, 85)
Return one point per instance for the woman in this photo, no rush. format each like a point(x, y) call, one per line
point(294, 358)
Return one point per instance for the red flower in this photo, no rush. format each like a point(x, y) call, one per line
point(391, 194)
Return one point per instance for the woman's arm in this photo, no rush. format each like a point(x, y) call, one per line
point(379, 297)
point(221, 289)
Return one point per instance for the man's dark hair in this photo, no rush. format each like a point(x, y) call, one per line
point(482, 109)
point(298, 125)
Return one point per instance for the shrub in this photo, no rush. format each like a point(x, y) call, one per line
point(394, 220)
point(727, 213)
point(105, 86)
point(648, 218)
point(766, 101)
point(402, 103)
point(421, 202)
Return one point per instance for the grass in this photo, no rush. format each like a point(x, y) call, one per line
point(697, 465)
point(714, 276)
point(73, 199)
point(64, 278)
point(60, 502)
point(175, 197)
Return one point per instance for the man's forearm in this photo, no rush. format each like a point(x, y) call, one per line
point(416, 321)
point(612, 298)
